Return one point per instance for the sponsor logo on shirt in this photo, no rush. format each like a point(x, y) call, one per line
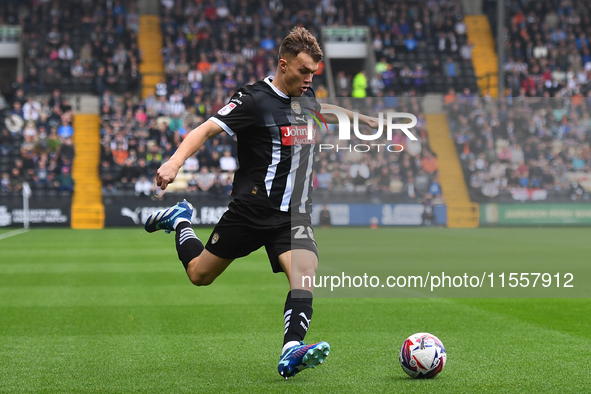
point(297, 135)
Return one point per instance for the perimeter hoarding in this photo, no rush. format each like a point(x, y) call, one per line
point(535, 214)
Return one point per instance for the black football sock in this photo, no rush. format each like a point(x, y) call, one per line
point(297, 315)
point(188, 245)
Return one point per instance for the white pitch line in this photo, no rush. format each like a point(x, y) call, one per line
point(12, 233)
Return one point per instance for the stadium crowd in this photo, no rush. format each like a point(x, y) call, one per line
point(209, 50)
point(547, 48)
point(36, 144)
point(524, 148)
point(419, 45)
point(137, 138)
point(78, 46)
point(409, 175)
point(216, 47)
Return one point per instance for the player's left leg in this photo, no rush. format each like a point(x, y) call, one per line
point(202, 270)
point(202, 266)
point(178, 219)
point(300, 267)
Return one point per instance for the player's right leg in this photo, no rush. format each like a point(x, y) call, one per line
point(201, 265)
point(296, 355)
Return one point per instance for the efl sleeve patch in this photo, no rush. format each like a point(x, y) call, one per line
point(227, 109)
point(240, 113)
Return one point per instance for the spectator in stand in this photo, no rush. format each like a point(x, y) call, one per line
point(144, 187)
point(435, 187)
point(16, 180)
point(428, 215)
point(31, 110)
point(429, 162)
point(228, 162)
point(359, 85)
point(324, 179)
point(466, 51)
point(205, 179)
point(5, 183)
point(65, 130)
point(450, 69)
point(3, 102)
point(64, 181)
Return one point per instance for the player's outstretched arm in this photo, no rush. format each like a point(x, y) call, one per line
point(191, 144)
point(332, 118)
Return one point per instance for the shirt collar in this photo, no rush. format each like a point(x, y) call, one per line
point(269, 80)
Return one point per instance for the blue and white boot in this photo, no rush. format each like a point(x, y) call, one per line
point(164, 219)
point(302, 356)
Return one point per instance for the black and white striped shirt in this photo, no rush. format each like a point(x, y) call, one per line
point(274, 151)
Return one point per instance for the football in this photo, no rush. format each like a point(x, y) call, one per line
point(422, 355)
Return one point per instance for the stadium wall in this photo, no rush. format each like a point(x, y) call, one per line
point(46, 212)
point(386, 214)
point(126, 211)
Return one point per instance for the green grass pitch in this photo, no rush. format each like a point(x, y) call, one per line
point(112, 311)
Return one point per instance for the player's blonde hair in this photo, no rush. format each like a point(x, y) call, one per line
point(300, 40)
